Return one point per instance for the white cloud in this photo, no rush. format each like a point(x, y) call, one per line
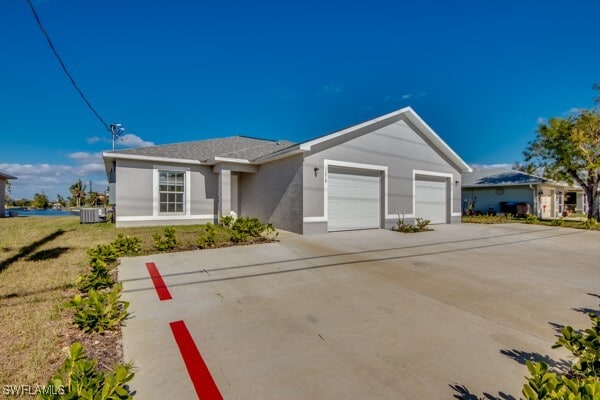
point(83, 156)
point(93, 139)
point(89, 168)
point(540, 120)
point(131, 140)
point(51, 178)
point(406, 96)
point(329, 90)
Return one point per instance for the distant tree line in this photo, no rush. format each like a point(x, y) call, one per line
point(79, 198)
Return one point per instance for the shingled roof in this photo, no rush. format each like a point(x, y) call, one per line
point(483, 177)
point(237, 147)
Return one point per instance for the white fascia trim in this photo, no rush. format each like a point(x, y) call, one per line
point(413, 117)
point(231, 160)
point(163, 217)
point(439, 174)
point(307, 146)
point(314, 219)
point(346, 164)
point(187, 189)
point(279, 155)
point(118, 156)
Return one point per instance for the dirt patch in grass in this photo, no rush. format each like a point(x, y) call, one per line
point(40, 260)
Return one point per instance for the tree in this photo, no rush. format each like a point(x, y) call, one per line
point(569, 149)
point(61, 200)
point(78, 192)
point(527, 168)
point(40, 200)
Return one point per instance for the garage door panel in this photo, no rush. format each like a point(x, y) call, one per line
point(354, 200)
point(430, 200)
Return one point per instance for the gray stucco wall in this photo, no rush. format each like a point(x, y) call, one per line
point(397, 146)
point(134, 188)
point(134, 192)
point(274, 193)
point(486, 198)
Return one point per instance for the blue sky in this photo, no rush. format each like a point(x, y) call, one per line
point(482, 74)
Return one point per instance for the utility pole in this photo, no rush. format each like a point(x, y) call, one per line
point(117, 131)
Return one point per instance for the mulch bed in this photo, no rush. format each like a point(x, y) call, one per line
point(106, 347)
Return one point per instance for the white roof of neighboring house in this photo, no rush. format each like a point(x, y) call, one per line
point(484, 177)
point(6, 176)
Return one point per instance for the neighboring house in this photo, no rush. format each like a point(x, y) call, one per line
point(3, 179)
point(499, 189)
point(358, 178)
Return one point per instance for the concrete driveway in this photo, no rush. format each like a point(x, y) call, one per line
point(364, 314)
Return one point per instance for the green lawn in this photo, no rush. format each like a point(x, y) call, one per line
point(40, 259)
point(500, 219)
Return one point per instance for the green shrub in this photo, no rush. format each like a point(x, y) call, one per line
point(582, 381)
point(531, 219)
point(166, 243)
point(557, 222)
point(590, 223)
point(244, 229)
point(227, 220)
point(107, 253)
point(402, 226)
point(209, 239)
point(419, 226)
point(545, 385)
point(127, 245)
point(78, 378)
point(422, 224)
point(585, 346)
point(487, 219)
point(99, 311)
point(98, 278)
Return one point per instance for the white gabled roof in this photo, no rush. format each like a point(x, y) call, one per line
point(406, 112)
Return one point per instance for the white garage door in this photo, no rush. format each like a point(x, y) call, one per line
point(353, 199)
point(430, 200)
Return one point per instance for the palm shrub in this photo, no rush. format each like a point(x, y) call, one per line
point(422, 224)
point(419, 226)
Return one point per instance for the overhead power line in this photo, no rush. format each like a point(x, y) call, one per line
point(64, 68)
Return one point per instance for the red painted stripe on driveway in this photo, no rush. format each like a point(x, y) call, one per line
point(159, 284)
point(205, 386)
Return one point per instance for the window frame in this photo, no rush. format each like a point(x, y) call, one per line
point(156, 192)
point(171, 188)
